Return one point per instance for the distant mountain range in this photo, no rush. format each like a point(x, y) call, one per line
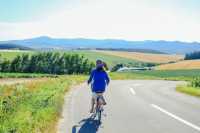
point(13, 46)
point(44, 42)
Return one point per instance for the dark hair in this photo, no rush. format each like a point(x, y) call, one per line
point(100, 69)
point(98, 60)
point(105, 65)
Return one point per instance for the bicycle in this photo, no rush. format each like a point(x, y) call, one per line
point(99, 108)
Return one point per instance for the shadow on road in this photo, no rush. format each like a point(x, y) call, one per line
point(89, 125)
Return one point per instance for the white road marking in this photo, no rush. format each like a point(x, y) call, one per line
point(176, 117)
point(132, 91)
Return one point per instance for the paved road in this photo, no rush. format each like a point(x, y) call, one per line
point(134, 106)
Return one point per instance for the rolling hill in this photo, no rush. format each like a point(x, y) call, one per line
point(171, 47)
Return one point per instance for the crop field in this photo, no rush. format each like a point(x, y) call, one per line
point(187, 64)
point(145, 57)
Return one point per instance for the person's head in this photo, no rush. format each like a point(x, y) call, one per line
point(99, 64)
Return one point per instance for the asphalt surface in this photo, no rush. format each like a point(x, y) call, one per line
point(133, 106)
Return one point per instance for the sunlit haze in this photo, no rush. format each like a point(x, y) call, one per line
point(116, 19)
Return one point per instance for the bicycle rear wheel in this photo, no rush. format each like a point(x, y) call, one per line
point(99, 115)
point(98, 111)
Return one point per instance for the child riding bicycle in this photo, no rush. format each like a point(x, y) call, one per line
point(99, 80)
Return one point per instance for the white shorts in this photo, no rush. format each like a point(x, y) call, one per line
point(95, 95)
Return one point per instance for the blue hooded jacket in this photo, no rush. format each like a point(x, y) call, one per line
point(98, 79)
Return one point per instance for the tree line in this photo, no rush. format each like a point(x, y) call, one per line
point(47, 62)
point(193, 55)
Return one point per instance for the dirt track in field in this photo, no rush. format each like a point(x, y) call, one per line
point(10, 81)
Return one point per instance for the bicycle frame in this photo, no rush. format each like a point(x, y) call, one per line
point(99, 108)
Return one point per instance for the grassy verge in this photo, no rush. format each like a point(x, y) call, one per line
point(25, 75)
point(34, 107)
point(189, 90)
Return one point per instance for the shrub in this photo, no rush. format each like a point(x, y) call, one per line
point(116, 67)
point(195, 82)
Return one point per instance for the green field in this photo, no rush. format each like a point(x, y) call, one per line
point(12, 54)
point(109, 59)
point(34, 106)
point(186, 75)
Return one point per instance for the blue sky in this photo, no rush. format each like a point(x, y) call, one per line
point(120, 19)
point(27, 10)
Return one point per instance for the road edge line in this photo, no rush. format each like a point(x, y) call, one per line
point(176, 117)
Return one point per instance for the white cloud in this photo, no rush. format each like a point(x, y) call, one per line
point(132, 20)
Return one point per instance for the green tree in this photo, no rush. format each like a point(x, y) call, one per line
point(48, 62)
point(25, 63)
point(15, 65)
point(5, 66)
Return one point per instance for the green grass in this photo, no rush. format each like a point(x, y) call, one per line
point(35, 106)
point(109, 59)
point(10, 55)
point(189, 90)
point(24, 75)
point(127, 76)
point(186, 75)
